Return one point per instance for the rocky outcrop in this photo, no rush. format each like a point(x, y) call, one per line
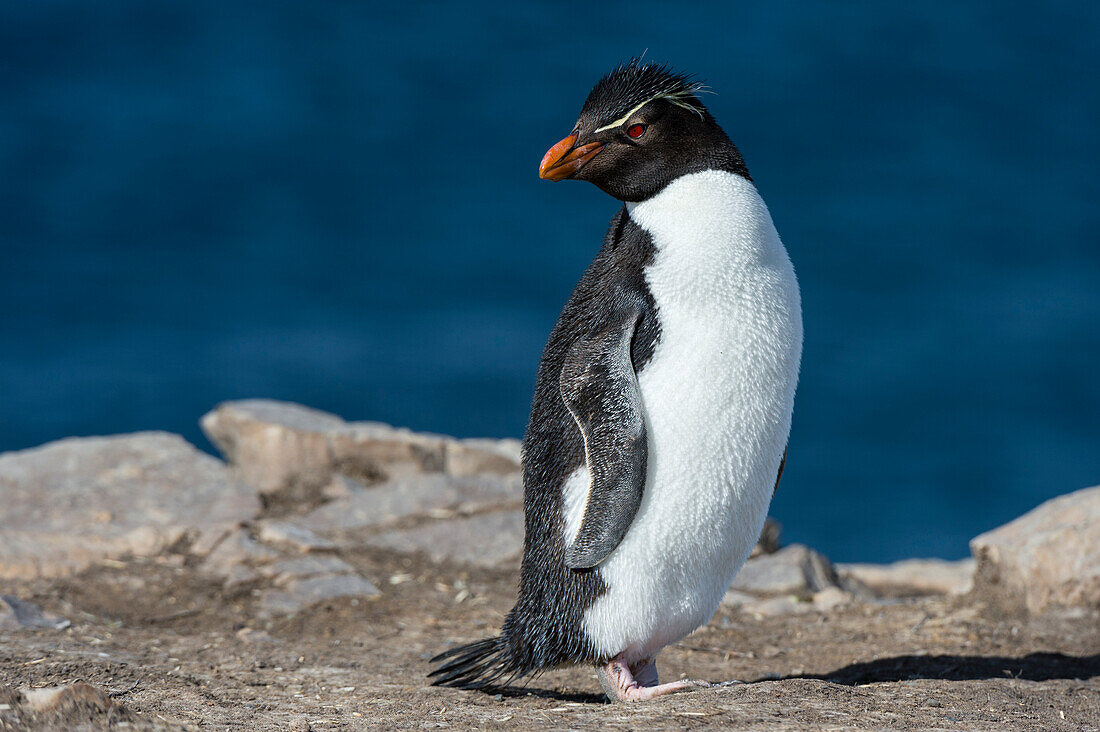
point(306, 491)
point(290, 452)
point(71, 503)
point(1046, 560)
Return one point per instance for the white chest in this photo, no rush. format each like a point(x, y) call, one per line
point(718, 395)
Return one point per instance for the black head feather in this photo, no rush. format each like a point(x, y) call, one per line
point(634, 83)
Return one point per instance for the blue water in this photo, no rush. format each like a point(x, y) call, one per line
point(336, 204)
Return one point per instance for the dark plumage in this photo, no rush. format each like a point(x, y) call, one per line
point(543, 630)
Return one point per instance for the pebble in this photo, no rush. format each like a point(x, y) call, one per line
point(16, 614)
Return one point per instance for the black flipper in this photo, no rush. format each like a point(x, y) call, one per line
point(600, 388)
point(779, 477)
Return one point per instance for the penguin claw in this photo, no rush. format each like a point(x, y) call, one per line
point(620, 682)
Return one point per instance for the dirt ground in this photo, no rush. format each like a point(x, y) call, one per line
point(174, 652)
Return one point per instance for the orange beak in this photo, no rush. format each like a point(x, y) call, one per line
point(563, 160)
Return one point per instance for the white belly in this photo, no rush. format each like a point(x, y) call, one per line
point(718, 394)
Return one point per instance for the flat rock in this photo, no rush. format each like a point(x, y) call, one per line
point(924, 576)
point(794, 569)
point(289, 450)
point(416, 496)
point(487, 540)
point(16, 614)
point(289, 570)
point(773, 607)
point(236, 559)
point(74, 502)
point(301, 593)
point(1046, 560)
point(292, 536)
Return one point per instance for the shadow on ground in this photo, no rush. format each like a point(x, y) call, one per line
point(1033, 667)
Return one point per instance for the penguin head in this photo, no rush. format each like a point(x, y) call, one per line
point(641, 127)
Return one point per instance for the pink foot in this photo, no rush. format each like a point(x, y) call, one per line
point(639, 682)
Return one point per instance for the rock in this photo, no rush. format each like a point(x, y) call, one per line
point(235, 558)
point(341, 486)
point(299, 594)
point(294, 452)
point(925, 576)
point(292, 536)
point(72, 503)
point(208, 540)
point(237, 577)
point(288, 570)
point(831, 598)
point(419, 496)
point(480, 456)
point(488, 540)
point(794, 569)
point(251, 635)
point(1046, 560)
point(55, 698)
point(773, 607)
point(16, 614)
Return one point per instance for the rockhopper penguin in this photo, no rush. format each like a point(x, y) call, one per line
point(663, 399)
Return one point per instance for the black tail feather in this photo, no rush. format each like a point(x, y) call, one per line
point(474, 665)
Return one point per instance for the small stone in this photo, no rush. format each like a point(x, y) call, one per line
point(831, 598)
point(292, 536)
point(16, 614)
point(54, 698)
point(251, 635)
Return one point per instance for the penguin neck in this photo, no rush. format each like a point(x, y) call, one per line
point(710, 218)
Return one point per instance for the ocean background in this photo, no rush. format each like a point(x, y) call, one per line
point(337, 204)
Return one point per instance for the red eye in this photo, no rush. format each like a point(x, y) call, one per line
point(636, 131)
